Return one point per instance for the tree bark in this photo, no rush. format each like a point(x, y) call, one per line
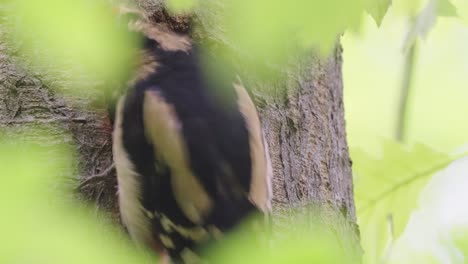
point(302, 116)
point(305, 128)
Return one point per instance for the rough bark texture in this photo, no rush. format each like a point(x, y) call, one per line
point(306, 134)
point(303, 120)
point(305, 128)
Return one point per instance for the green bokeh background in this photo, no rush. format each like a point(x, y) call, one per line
point(373, 70)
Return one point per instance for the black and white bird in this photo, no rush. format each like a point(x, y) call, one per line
point(190, 154)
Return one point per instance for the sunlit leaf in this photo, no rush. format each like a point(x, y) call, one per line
point(273, 30)
point(83, 37)
point(37, 225)
point(387, 190)
point(462, 9)
point(446, 8)
point(305, 243)
point(181, 6)
point(378, 8)
point(409, 7)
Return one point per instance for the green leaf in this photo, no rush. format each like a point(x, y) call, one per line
point(387, 190)
point(306, 242)
point(38, 227)
point(181, 6)
point(446, 8)
point(378, 8)
point(40, 222)
point(270, 30)
point(82, 36)
point(408, 7)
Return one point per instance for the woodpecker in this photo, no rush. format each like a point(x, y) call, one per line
point(190, 154)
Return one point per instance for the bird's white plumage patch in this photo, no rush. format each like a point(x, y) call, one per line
point(166, 241)
point(132, 213)
point(260, 188)
point(197, 233)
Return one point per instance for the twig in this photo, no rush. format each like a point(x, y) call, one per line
point(79, 120)
point(405, 94)
point(98, 199)
point(17, 110)
point(101, 148)
point(97, 177)
point(43, 121)
point(391, 239)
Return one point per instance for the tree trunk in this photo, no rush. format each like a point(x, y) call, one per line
point(303, 121)
point(305, 128)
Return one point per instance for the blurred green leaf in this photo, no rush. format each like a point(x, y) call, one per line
point(39, 224)
point(304, 243)
point(462, 9)
point(439, 86)
point(378, 8)
point(409, 7)
point(272, 30)
point(84, 37)
point(387, 190)
point(37, 227)
point(181, 6)
point(446, 8)
point(413, 8)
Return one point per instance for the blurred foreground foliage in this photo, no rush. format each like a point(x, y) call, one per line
point(390, 176)
point(41, 222)
point(41, 227)
point(387, 190)
point(84, 37)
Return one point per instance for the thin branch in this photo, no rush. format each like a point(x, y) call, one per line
point(409, 68)
point(101, 176)
point(30, 120)
point(391, 239)
point(98, 152)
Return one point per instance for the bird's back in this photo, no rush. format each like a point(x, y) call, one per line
point(189, 152)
